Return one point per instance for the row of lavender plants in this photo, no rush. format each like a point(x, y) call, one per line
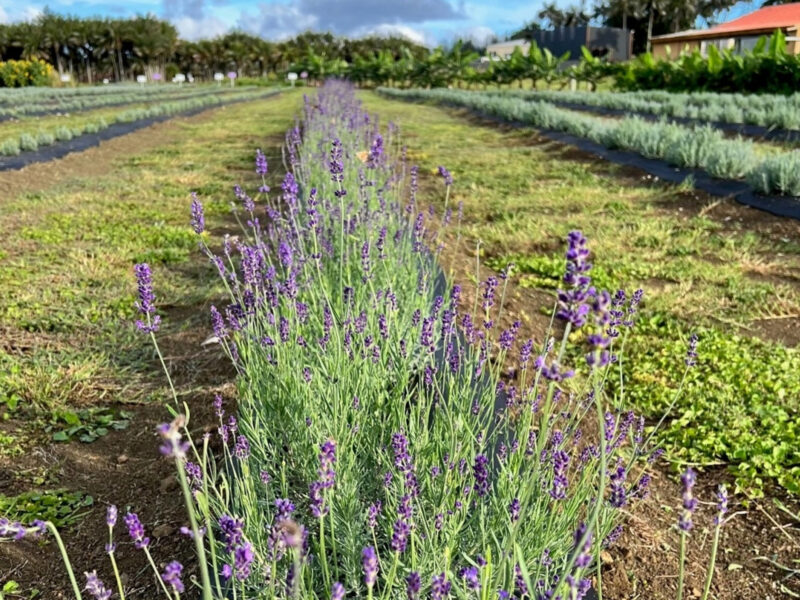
point(390, 439)
point(696, 147)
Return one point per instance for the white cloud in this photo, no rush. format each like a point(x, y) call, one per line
point(393, 30)
point(190, 28)
point(480, 35)
point(277, 21)
point(13, 12)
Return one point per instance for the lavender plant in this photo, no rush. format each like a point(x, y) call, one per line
point(692, 147)
point(391, 439)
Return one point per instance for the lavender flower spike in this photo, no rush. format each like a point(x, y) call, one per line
point(261, 163)
point(172, 576)
point(369, 561)
point(445, 174)
point(413, 584)
point(95, 587)
point(136, 531)
point(111, 515)
point(337, 591)
point(688, 479)
point(691, 352)
point(198, 220)
point(722, 504)
point(146, 305)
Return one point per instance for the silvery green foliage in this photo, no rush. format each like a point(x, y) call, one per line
point(19, 102)
point(767, 110)
point(730, 159)
point(27, 142)
point(44, 138)
point(691, 147)
point(63, 133)
point(9, 147)
point(779, 173)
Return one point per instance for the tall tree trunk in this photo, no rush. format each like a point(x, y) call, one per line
point(650, 25)
point(624, 17)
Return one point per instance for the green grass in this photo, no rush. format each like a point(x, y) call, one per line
point(66, 283)
point(521, 198)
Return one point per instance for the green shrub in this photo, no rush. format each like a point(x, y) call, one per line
point(63, 134)
point(779, 173)
point(10, 147)
point(44, 138)
point(28, 143)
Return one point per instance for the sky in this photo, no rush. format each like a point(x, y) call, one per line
point(429, 22)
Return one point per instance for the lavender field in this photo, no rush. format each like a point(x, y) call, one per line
point(329, 373)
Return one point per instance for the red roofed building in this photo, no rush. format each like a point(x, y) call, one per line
point(738, 35)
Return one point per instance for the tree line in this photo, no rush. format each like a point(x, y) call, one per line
point(119, 49)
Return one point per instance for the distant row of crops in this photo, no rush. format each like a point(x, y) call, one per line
point(767, 110)
point(32, 140)
point(121, 95)
point(693, 147)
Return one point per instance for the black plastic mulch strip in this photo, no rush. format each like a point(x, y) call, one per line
point(781, 206)
point(90, 140)
point(755, 131)
point(62, 111)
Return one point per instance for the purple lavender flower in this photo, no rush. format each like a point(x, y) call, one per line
point(722, 504)
point(691, 352)
point(283, 507)
point(172, 576)
point(613, 536)
point(413, 585)
point(402, 530)
point(618, 497)
point(136, 531)
point(688, 479)
point(336, 165)
point(111, 515)
point(513, 509)
point(146, 303)
point(372, 514)
point(440, 587)
point(337, 591)
point(480, 471)
point(243, 557)
point(582, 546)
point(471, 578)
point(198, 220)
point(261, 163)
point(560, 483)
point(95, 587)
point(445, 174)
point(369, 561)
point(572, 301)
point(375, 153)
point(232, 535)
point(242, 449)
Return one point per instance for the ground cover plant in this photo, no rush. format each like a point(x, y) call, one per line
point(446, 492)
point(694, 147)
point(32, 138)
point(718, 276)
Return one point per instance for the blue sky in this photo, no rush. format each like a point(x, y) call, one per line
point(427, 21)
